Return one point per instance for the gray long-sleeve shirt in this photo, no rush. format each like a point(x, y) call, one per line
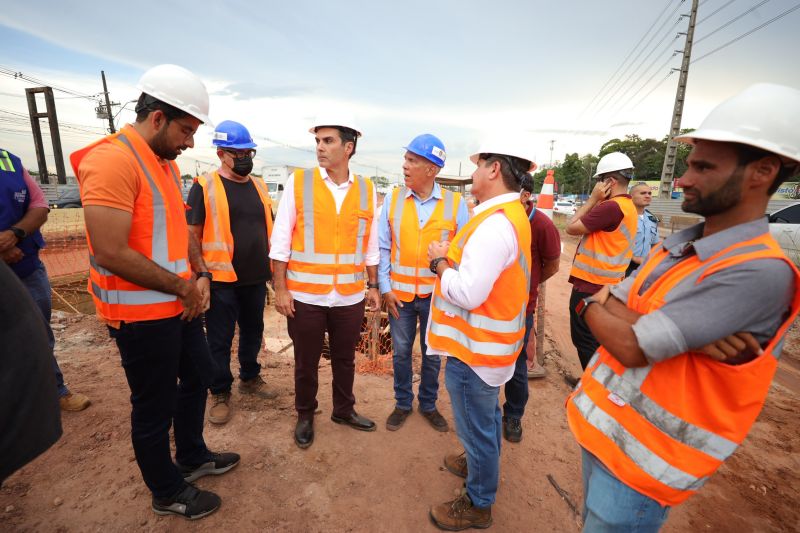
point(754, 296)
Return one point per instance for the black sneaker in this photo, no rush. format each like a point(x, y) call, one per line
point(217, 464)
point(436, 419)
point(397, 419)
point(189, 502)
point(512, 429)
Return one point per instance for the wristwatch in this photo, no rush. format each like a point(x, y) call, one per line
point(372, 285)
point(584, 304)
point(205, 275)
point(19, 233)
point(435, 263)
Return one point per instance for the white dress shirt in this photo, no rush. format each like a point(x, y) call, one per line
point(491, 249)
point(281, 241)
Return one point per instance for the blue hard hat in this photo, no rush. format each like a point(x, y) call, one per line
point(230, 134)
point(430, 147)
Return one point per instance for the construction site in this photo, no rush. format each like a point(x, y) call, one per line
point(90, 479)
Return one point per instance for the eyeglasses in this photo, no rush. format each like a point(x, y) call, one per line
point(241, 154)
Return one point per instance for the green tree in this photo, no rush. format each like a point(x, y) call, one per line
point(380, 181)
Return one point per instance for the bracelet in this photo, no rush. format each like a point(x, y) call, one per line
point(372, 285)
point(204, 275)
point(435, 263)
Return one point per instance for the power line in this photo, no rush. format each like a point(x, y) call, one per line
point(726, 4)
point(597, 112)
point(620, 102)
point(742, 36)
point(731, 21)
point(10, 73)
point(589, 105)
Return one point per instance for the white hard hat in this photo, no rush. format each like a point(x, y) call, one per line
point(177, 87)
point(613, 162)
point(507, 144)
point(341, 119)
point(764, 115)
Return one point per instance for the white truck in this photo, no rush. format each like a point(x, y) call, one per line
point(275, 177)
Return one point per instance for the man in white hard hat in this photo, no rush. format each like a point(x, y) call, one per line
point(676, 384)
point(231, 214)
point(146, 282)
point(606, 224)
point(477, 321)
point(325, 237)
point(415, 215)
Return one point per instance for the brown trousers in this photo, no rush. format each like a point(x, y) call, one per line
point(307, 331)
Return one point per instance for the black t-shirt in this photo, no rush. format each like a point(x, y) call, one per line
point(30, 417)
point(248, 227)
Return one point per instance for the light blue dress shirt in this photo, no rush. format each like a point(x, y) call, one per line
point(646, 234)
point(424, 211)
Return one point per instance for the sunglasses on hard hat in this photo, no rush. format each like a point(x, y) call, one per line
point(241, 154)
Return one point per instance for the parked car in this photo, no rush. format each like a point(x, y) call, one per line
point(784, 225)
point(68, 198)
point(565, 207)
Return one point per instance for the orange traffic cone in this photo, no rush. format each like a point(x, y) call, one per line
point(545, 202)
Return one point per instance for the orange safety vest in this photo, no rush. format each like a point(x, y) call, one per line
point(492, 333)
point(665, 428)
point(329, 248)
point(158, 231)
point(217, 236)
point(603, 256)
point(410, 274)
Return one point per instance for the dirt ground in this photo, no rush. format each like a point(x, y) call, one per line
point(381, 481)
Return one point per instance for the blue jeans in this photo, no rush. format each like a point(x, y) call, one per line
point(161, 359)
point(39, 288)
point(517, 386)
point(403, 330)
point(476, 411)
point(231, 305)
point(610, 506)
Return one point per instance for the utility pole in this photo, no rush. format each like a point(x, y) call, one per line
point(552, 144)
point(111, 128)
point(55, 137)
point(668, 172)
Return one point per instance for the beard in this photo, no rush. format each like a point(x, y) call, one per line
point(160, 145)
point(719, 201)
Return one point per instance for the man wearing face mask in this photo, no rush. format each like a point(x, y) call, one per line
point(231, 214)
point(607, 226)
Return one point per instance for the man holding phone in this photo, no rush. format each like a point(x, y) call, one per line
point(607, 226)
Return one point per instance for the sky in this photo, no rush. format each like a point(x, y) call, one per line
point(573, 72)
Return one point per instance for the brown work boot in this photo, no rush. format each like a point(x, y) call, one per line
point(220, 411)
point(456, 463)
point(258, 387)
point(74, 402)
point(436, 419)
point(460, 514)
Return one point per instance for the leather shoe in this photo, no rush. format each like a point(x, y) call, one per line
point(304, 433)
point(512, 429)
point(355, 421)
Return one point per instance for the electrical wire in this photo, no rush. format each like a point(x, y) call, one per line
point(742, 36)
point(589, 105)
point(731, 21)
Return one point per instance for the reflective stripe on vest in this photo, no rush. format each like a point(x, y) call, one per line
point(492, 333)
point(154, 220)
point(217, 243)
point(416, 279)
point(664, 429)
point(592, 264)
point(309, 269)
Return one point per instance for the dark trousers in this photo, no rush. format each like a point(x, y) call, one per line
point(307, 331)
point(231, 305)
point(155, 354)
point(582, 336)
point(517, 387)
